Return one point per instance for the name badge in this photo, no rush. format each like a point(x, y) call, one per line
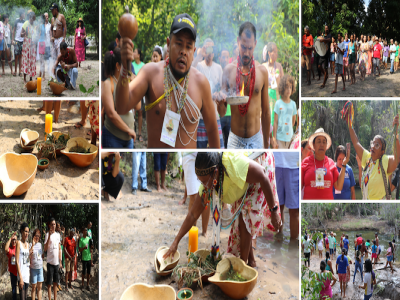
point(274, 85)
point(170, 128)
point(39, 254)
point(54, 27)
point(13, 260)
point(55, 246)
point(79, 33)
point(6, 34)
point(319, 177)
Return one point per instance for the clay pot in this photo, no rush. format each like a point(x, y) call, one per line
point(56, 88)
point(17, 172)
point(79, 159)
point(31, 85)
point(235, 289)
point(29, 137)
point(141, 291)
point(167, 269)
point(43, 164)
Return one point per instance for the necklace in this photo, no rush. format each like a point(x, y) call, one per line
point(180, 96)
point(244, 107)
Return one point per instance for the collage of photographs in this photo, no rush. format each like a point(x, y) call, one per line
point(162, 150)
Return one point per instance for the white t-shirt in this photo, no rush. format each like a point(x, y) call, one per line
point(23, 262)
point(37, 261)
point(214, 77)
point(368, 281)
point(53, 248)
point(306, 246)
point(47, 29)
point(18, 24)
point(339, 55)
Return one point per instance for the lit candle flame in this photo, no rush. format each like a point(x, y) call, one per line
point(242, 90)
point(184, 293)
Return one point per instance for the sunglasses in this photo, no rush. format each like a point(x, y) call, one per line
point(375, 145)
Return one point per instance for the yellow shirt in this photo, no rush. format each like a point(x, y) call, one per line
point(234, 185)
point(376, 187)
point(27, 25)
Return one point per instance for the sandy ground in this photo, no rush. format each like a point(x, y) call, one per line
point(62, 180)
point(75, 293)
point(130, 239)
point(88, 75)
point(352, 290)
point(384, 86)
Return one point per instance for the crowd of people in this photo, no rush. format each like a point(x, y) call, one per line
point(39, 38)
point(322, 178)
point(347, 54)
point(195, 114)
point(326, 242)
point(62, 248)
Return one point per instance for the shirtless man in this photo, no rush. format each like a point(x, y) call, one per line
point(149, 83)
point(65, 67)
point(324, 60)
point(245, 124)
point(57, 32)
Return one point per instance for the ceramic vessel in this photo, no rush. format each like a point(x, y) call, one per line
point(235, 289)
point(31, 85)
point(141, 291)
point(56, 88)
point(29, 137)
point(43, 163)
point(17, 173)
point(157, 264)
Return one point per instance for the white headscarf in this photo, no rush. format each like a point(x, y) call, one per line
point(159, 47)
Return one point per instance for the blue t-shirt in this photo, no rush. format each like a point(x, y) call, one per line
point(342, 265)
point(349, 181)
point(285, 112)
point(287, 160)
point(374, 248)
point(346, 243)
point(42, 37)
point(346, 45)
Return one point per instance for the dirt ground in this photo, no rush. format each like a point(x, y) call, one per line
point(62, 180)
point(384, 86)
point(75, 293)
point(88, 75)
point(130, 239)
point(353, 292)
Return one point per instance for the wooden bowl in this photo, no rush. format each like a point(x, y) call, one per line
point(17, 172)
point(29, 137)
point(142, 291)
point(235, 289)
point(80, 159)
point(31, 85)
point(43, 164)
point(56, 88)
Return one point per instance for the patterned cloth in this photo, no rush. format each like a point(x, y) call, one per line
point(369, 62)
point(80, 44)
point(363, 59)
point(255, 211)
point(18, 48)
point(295, 143)
point(29, 57)
point(55, 48)
point(93, 114)
point(202, 138)
point(237, 142)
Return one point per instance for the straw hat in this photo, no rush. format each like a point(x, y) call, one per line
point(80, 19)
point(319, 132)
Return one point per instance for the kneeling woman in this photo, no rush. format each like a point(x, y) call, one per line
point(377, 166)
point(246, 184)
point(112, 178)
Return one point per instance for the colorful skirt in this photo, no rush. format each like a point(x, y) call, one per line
point(80, 49)
point(363, 62)
point(369, 62)
point(93, 114)
point(29, 57)
point(255, 211)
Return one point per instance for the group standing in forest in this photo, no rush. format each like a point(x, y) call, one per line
point(62, 248)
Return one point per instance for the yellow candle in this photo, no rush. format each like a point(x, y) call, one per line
point(193, 239)
point(39, 85)
point(48, 127)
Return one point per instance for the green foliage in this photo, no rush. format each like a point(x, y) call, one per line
point(312, 283)
point(90, 90)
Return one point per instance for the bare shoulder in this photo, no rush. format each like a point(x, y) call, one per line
point(262, 69)
point(152, 68)
point(199, 77)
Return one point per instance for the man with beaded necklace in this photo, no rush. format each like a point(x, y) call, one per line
point(245, 71)
point(183, 97)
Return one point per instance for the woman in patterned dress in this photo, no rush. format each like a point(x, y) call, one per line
point(93, 115)
point(80, 35)
point(28, 48)
point(363, 58)
point(249, 186)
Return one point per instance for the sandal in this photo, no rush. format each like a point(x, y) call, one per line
point(140, 138)
point(14, 74)
point(20, 74)
point(89, 133)
point(78, 125)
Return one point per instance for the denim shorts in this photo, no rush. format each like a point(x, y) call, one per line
point(109, 140)
point(160, 161)
point(390, 258)
point(385, 58)
point(332, 56)
point(237, 142)
point(36, 275)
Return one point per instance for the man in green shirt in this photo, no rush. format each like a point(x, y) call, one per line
point(331, 240)
point(86, 258)
point(137, 65)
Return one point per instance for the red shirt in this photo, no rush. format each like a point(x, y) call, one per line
point(70, 245)
point(308, 167)
point(307, 41)
point(359, 240)
point(12, 268)
point(377, 51)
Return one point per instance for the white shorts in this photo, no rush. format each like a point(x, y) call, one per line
point(191, 180)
